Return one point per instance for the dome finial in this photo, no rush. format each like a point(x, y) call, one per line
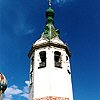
point(49, 14)
point(49, 2)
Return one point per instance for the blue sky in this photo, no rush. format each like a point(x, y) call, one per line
point(22, 22)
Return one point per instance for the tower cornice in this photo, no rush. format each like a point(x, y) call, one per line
point(49, 44)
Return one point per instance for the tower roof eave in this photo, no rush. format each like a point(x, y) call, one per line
point(34, 47)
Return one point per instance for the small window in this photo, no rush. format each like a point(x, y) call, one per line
point(57, 59)
point(42, 64)
point(66, 58)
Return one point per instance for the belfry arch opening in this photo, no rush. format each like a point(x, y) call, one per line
point(57, 59)
point(42, 64)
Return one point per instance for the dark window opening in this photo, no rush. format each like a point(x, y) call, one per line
point(69, 71)
point(66, 58)
point(57, 58)
point(42, 64)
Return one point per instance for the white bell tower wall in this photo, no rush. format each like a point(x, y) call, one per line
point(51, 80)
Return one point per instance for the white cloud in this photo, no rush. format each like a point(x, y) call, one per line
point(27, 82)
point(58, 1)
point(26, 90)
point(8, 97)
point(62, 1)
point(25, 95)
point(15, 91)
point(11, 91)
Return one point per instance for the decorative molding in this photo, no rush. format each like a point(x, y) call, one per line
point(52, 98)
point(49, 44)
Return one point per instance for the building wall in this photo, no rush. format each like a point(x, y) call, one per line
point(51, 81)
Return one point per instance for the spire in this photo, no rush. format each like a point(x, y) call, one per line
point(49, 29)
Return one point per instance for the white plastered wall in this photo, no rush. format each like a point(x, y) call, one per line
point(52, 81)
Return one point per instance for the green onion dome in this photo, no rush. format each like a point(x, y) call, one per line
point(3, 83)
point(50, 15)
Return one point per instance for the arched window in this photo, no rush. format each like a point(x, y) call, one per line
point(42, 64)
point(57, 59)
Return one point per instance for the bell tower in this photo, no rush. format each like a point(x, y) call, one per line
point(50, 74)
